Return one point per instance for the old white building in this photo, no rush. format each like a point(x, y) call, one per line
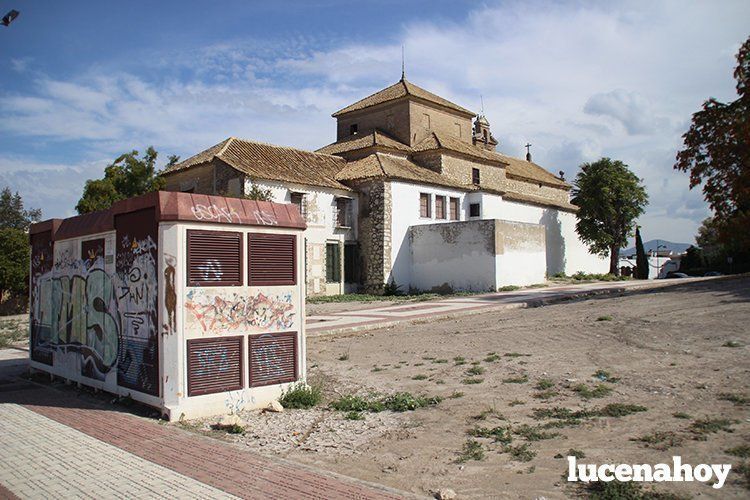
point(413, 192)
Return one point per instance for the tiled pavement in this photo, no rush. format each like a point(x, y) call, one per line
point(380, 317)
point(54, 444)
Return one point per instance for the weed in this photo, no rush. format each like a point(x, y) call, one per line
point(533, 433)
point(421, 376)
point(377, 369)
point(548, 394)
point(521, 452)
point(475, 370)
point(508, 288)
point(576, 453)
point(606, 317)
point(418, 364)
point(428, 358)
point(565, 414)
point(301, 395)
point(617, 490)
point(619, 410)
point(439, 361)
point(344, 357)
point(440, 381)
point(731, 343)
point(737, 399)
point(515, 354)
point(459, 360)
point(488, 413)
point(516, 402)
point(399, 402)
point(701, 428)
point(521, 379)
point(498, 434)
point(660, 440)
point(476, 363)
point(605, 376)
point(354, 415)
point(456, 395)
point(351, 404)
point(680, 414)
point(233, 429)
point(491, 358)
point(598, 391)
point(472, 450)
point(742, 451)
point(544, 383)
point(472, 381)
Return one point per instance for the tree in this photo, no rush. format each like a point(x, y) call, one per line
point(717, 154)
point(14, 261)
point(12, 213)
point(126, 177)
point(610, 198)
point(258, 193)
point(641, 260)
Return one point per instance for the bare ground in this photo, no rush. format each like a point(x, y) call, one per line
point(682, 353)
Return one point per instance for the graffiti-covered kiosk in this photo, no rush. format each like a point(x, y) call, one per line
point(190, 303)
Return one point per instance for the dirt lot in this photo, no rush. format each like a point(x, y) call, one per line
point(680, 353)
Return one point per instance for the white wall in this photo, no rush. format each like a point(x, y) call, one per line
point(520, 253)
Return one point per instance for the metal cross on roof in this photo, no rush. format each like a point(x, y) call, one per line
point(528, 148)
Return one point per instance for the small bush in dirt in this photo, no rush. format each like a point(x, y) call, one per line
point(521, 452)
point(404, 401)
point(742, 451)
point(475, 370)
point(598, 391)
point(472, 381)
point(544, 383)
point(421, 376)
point(354, 415)
point(731, 343)
point(548, 394)
point(531, 433)
point(516, 402)
point(619, 410)
point(515, 354)
point(701, 428)
point(737, 399)
point(498, 434)
point(351, 404)
point(472, 450)
point(489, 412)
point(456, 395)
point(302, 396)
point(229, 429)
point(605, 376)
point(604, 318)
point(459, 360)
point(491, 358)
point(440, 361)
point(660, 440)
point(344, 357)
point(682, 415)
point(576, 453)
point(521, 379)
point(508, 288)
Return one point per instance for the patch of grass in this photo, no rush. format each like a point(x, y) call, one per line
point(742, 451)
point(737, 399)
point(377, 369)
point(428, 358)
point(488, 412)
point(680, 414)
point(439, 361)
point(743, 470)
point(521, 452)
point(351, 403)
point(606, 376)
point(701, 428)
point(731, 343)
point(516, 402)
point(354, 415)
point(660, 440)
point(522, 379)
point(398, 402)
point(472, 450)
point(508, 288)
point(12, 331)
point(598, 391)
point(491, 358)
point(533, 433)
point(344, 357)
point(472, 381)
point(538, 285)
point(615, 410)
point(548, 394)
point(459, 360)
point(456, 395)
point(475, 370)
point(302, 396)
point(230, 429)
point(619, 410)
point(421, 376)
point(515, 354)
point(606, 317)
point(575, 453)
point(617, 490)
point(544, 383)
point(498, 434)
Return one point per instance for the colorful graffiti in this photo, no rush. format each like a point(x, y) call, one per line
point(216, 312)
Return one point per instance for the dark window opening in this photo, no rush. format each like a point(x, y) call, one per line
point(271, 259)
point(475, 175)
point(440, 207)
point(425, 205)
point(333, 262)
point(343, 212)
point(474, 210)
point(454, 209)
point(353, 129)
point(299, 200)
point(214, 258)
point(351, 263)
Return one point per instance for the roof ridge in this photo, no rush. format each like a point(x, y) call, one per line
point(289, 148)
point(225, 146)
point(380, 163)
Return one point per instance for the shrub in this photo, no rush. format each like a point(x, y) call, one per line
point(301, 395)
point(472, 450)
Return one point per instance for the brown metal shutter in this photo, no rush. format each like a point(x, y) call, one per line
point(272, 259)
point(214, 258)
point(273, 358)
point(214, 365)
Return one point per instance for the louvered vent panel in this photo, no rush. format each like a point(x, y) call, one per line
point(273, 358)
point(214, 365)
point(214, 258)
point(272, 259)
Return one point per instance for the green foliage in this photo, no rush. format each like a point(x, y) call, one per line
point(617, 490)
point(258, 193)
point(521, 452)
point(737, 399)
point(392, 288)
point(508, 288)
point(610, 198)
point(716, 153)
point(606, 317)
point(520, 379)
point(472, 450)
point(498, 434)
point(126, 177)
point(354, 415)
point(399, 402)
point(12, 213)
point(544, 383)
point(301, 395)
point(472, 381)
point(14, 261)
point(641, 260)
point(475, 370)
point(742, 451)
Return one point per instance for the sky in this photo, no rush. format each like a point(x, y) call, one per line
point(82, 82)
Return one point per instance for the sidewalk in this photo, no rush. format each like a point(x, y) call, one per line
point(365, 319)
point(56, 444)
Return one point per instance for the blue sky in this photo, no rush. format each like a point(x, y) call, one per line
point(81, 82)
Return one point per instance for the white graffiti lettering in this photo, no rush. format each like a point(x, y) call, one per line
point(215, 213)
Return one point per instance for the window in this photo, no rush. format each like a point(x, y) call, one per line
point(474, 210)
point(353, 129)
point(271, 259)
point(351, 263)
point(454, 209)
point(425, 205)
point(333, 263)
point(426, 121)
point(299, 200)
point(458, 129)
point(475, 175)
point(343, 212)
point(214, 258)
point(440, 207)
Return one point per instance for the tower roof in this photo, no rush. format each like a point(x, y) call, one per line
point(398, 90)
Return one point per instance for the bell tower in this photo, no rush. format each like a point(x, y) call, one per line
point(482, 136)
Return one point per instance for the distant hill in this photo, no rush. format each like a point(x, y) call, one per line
point(651, 245)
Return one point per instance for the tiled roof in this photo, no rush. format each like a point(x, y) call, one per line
point(385, 166)
point(530, 171)
point(397, 90)
point(441, 141)
point(539, 200)
point(266, 161)
point(354, 142)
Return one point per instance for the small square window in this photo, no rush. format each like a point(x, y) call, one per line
point(474, 210)
point(353, 129)
point(440, 207)
point(425, 205)
point(475, 175)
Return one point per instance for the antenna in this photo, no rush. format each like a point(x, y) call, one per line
point(403, 65)
point(481, 100)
